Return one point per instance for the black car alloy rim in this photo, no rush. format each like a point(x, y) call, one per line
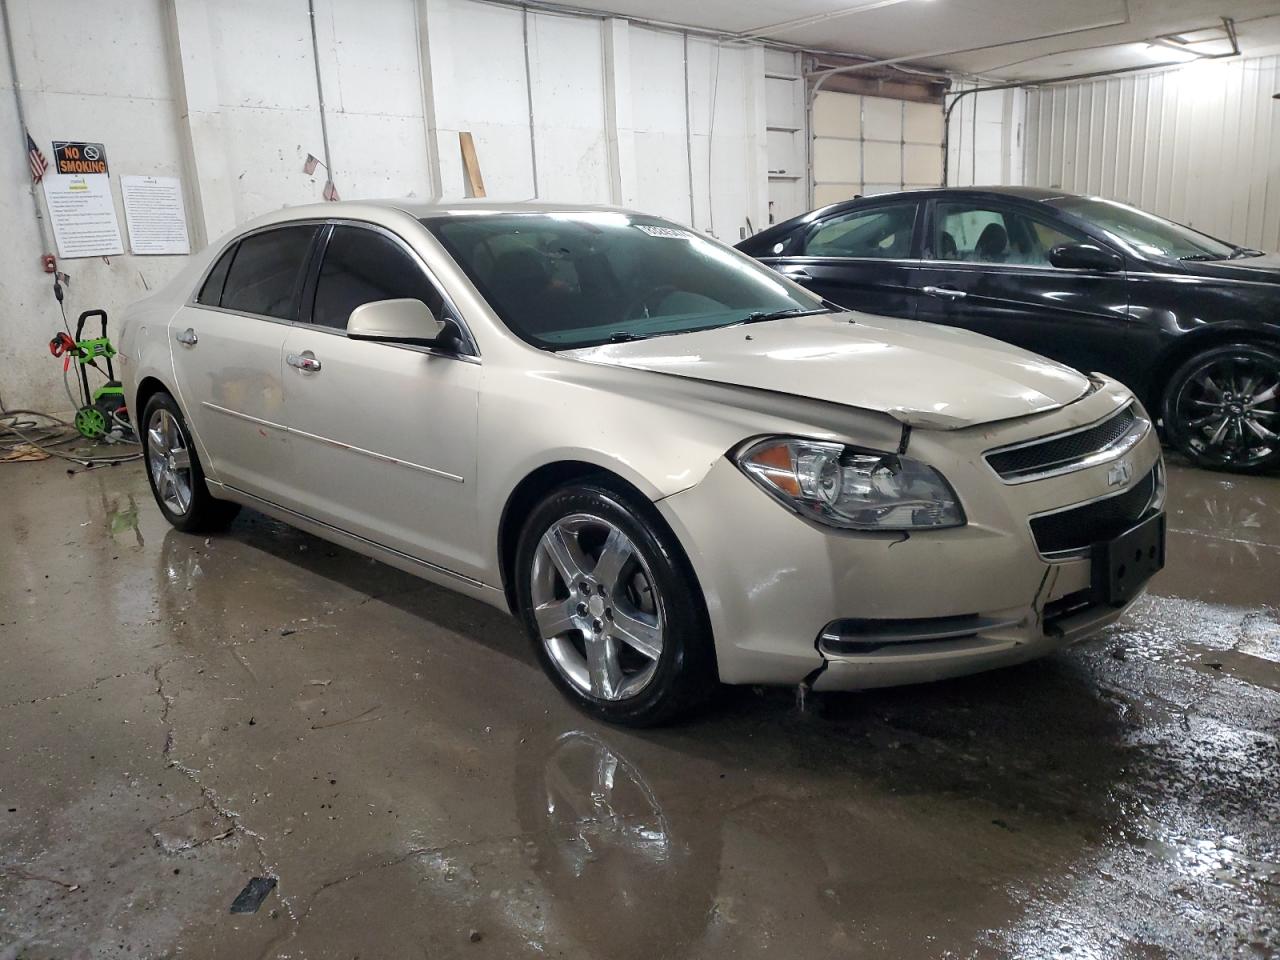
point(1229, 409)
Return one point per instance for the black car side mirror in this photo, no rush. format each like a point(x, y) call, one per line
point(1084, 256)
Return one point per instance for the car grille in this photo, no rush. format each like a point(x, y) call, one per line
point(1078, 528)
point(1030, 460)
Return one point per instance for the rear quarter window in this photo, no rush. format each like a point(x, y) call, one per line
point(211, 291)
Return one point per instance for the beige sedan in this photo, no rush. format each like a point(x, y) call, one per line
point(671, 464)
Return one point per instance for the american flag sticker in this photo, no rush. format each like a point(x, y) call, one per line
point(37, 161)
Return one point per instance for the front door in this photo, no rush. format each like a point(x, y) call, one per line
point(986, 269)
point(861, 259)
point(384, 434)
point(227, 353)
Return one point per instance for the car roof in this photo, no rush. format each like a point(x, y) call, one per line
point(419, 209)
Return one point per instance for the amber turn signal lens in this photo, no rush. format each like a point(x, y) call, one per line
point(776, 463)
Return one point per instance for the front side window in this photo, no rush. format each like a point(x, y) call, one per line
point(578, 279)
point(361, 266)
point(985, 234)
point(883, 233)
point(266, 273)
point(1147, 233)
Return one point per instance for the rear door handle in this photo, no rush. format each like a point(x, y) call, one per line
point(306, 362)
point(798, 274)
point(946, 293)
point(187, 337)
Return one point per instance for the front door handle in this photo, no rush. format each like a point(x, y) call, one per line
point(187, 337)
point(306, 361)
point(799, 275)
point(946, 293)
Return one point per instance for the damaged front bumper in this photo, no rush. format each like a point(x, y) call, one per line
point(791, 601)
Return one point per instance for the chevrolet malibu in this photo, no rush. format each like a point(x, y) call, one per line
point(671, 464)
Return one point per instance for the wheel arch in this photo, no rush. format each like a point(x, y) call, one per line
point(537, 484)
point(529, 492)
point(1186, 347)
point(148, 387)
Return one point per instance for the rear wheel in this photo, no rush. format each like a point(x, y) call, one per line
point(173, 468)
point(614, 612)
point(1222, 408)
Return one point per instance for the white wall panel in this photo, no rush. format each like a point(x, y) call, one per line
point(102, 76)
point(1199, 144)
point(223, 94)
point(658, 114)
point(568, 108)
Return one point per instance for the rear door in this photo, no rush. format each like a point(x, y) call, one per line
point(864, 259)
point(986, 268)
point(385, 434)
point(227, 344)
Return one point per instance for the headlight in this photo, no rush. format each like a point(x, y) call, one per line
point(852, 489)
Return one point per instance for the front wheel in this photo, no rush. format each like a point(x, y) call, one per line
point(1222, 408)
point(173, 468)
point(612, 606)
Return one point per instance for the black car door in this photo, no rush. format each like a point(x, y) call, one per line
point(863, 259)
point(986, 268)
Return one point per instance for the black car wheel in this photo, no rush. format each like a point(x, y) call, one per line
point(1222, 408)
point(175, 473)
point(612, 607)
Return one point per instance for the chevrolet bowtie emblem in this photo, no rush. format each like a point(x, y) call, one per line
point(1119, 474)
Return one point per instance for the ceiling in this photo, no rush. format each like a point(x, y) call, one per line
point(999, 39)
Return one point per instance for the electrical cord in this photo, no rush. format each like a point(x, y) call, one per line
point(46, 438)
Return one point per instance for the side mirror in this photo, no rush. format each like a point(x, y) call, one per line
point(396, 321)
point(1084, 256)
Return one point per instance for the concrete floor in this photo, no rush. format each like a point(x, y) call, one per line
point(178, 715)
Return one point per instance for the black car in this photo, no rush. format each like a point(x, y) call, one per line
point(1190, 323)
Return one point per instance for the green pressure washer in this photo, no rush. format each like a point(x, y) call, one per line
point(103, 408)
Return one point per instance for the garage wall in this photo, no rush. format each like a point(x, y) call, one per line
point(868, 145)
point(987, 138)
point(1199, 144)
point(223, 94)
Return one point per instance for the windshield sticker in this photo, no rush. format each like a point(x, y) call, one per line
point(670, 233)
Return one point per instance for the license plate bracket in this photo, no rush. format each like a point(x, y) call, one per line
point(1123, 565)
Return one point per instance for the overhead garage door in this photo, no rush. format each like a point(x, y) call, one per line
point(866, 145)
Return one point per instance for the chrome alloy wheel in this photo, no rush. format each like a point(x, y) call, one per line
point(1230, 410)
point(595, 603)
point(169, 461)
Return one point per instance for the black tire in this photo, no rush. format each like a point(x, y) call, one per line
point(204, 513)
point(1217, 410)
point(684, 672)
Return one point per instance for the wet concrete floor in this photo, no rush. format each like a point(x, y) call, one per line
point(179, 715)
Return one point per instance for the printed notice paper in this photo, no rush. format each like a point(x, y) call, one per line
point(83, 215)
point(155, 215)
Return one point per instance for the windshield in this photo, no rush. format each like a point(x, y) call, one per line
point(1149, 234)
point(579, 279)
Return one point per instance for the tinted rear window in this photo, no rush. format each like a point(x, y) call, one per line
point(266, 274)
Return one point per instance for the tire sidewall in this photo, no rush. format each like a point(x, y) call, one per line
point(681, 676)
point(1174, 432)
point(200, 499)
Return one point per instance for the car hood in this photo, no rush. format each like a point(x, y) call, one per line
point(921, 374)
point(1265, 268)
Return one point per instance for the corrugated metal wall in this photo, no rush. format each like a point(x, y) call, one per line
point(1199, 144)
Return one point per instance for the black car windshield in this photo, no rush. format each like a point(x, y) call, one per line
point(1149, 234)
point(581, 278)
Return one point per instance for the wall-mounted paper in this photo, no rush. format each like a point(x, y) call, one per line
point(83, 215)
point(155, 215)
